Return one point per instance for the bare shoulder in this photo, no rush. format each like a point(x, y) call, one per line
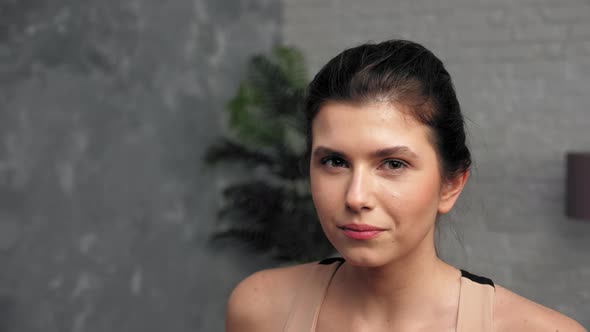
point(514, 313)
point(262, 301)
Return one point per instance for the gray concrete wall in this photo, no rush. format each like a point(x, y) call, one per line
point(522, 71)
point(105, 110)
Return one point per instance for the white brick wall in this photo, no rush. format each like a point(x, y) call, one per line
point(522, 72)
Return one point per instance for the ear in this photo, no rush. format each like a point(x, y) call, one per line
point(450, 191)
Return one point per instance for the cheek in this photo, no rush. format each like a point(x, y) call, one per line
point(425, 201)
point(427, 190)
point(415, 200)
point(327, 195)
point(322, 192)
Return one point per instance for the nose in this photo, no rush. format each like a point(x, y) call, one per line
point(358, 195)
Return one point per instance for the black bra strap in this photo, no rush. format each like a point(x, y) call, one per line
point(476, 278)
point(330, 260)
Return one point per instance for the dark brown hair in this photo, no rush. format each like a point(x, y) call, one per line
point(396, 71)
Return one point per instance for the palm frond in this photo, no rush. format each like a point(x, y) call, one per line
point(289, 164)
point(247, 120)
point(276, 214)
point(255, 202)
point(270, 98)
point(282, 93)
point(280, 219)
point(292, 63)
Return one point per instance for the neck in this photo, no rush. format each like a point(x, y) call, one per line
point(417, 283)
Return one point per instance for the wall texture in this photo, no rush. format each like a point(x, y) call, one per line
point(105, 110)
point(522, 71)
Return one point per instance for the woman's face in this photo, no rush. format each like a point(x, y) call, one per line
point(375, 181)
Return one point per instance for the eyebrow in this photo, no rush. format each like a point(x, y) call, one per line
point(380, 153)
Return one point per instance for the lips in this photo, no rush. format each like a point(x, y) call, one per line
point(361, 231)
point(361, 227)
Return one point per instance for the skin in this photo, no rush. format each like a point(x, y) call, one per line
point(383, 172)
point(374, 164)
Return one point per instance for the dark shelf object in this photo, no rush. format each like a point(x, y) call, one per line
point(578, 185)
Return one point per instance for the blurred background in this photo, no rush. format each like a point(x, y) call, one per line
point(108, 109)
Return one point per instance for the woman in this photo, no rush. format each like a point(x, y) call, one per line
point(387, 156)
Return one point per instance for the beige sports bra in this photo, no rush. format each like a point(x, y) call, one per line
point(475, 301)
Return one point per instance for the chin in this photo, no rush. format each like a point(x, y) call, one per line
point(365, 257)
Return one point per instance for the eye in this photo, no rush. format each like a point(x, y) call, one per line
point(333, 161)
point(395, 164)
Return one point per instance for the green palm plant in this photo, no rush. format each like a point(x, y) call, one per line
point(273, 212)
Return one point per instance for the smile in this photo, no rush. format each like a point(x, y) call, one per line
point(361, 231)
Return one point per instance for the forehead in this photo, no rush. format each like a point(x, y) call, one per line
point(373, 125)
